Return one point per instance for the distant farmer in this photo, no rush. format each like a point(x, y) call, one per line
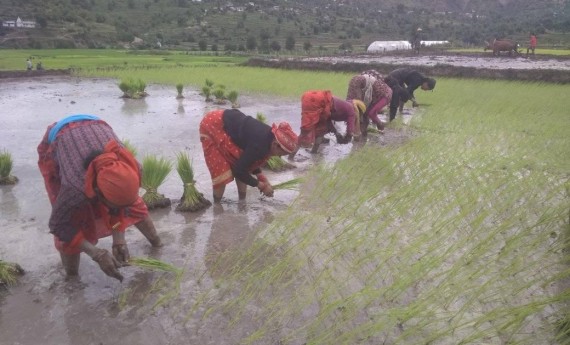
point(411, 80)
point(29, 65)
point(531, 44)
point(236, 146)
point(319, 108)
point(399, 94)
point(375, 94)
point(92, 183)
point(416, 41)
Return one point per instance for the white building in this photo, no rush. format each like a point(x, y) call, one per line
point(19, 23)
point(386, 46)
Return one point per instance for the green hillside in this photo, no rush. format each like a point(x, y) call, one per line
point(272, 26)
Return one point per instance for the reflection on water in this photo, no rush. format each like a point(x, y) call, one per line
point(134, 106)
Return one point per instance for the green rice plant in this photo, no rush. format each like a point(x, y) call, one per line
point(232, 97)
point(6, 164)
point(291, 184)
point(153, 264)
point(207, 92)
point(219, 94)
point(132, 88)
point(191, 200)
point(154, 172)
point(129, 146)
point(456, 236)
point(9, 273)
point(261, 117)
point(179, 90)
point(209, 83)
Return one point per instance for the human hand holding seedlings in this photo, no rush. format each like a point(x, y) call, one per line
point(108, 264)
point(265, 188)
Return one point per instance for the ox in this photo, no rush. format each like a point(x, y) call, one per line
point(504, 45)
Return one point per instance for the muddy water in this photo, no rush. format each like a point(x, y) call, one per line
point(47, 308)
point(489, 61)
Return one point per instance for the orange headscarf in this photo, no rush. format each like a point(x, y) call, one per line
point(285, 136)
point(116, 174)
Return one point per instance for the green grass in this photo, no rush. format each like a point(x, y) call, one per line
point(108, 59)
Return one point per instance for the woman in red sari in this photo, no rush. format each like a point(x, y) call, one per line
point(236, 146)
point(92, 183)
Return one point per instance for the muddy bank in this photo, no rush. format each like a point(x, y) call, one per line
point(495, 68)
point(35, 73)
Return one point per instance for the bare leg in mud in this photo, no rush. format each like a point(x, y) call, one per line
point(70, 263)
point(242, 189)
point(219, 193)
point(146, 227)
point(318, 142)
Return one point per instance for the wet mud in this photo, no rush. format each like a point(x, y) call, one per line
point(556, 70)
point(48, 308)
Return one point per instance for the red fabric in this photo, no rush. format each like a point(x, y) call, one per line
point(95, 221)
point(285, 136)
point(533, 41)
point(220, 152)
point(116, 173)
point(315, 115)
point(92, 218)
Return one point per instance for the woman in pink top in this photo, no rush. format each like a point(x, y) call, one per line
point(375, 94)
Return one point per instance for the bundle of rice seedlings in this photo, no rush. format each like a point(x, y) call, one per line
point(274, 163)
point(207, 92)
point(232, 97)
point(209, 83)
point(133, 88)
point(191, 200)
point(219, 94)
point(291, 184)
point(129, 146)
point(6, 164)
point(9, 273)
point(179, 89)
point(154, 173)
point(154, 264)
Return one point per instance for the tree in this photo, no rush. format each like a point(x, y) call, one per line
point(251, 43)
point(290, 42)
point(307, 46)
point(42, 21)
point(202, 44)
point(275, 46)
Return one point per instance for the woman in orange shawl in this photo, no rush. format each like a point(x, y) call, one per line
point(92, 183)
point(319, 108)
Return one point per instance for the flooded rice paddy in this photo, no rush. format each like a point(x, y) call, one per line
point(48, 308)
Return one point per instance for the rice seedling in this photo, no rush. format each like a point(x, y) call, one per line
point(291, 184)
point(191, 200)
point(209, 83)
point(9, 273)
point(207, 92)
point(219, 94)
point(274, 163)
point(232, 97)
point(6, 165)
point(132, 88)
point(154, 172)
point(179, 90)
point(457, 236)
point(154, 264)
point(129, 146)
